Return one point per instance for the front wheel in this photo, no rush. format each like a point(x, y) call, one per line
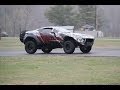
point(30, 47)
point(85, 49)
point(69, 47)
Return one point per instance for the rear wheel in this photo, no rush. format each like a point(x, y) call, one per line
point(46, 50)
point(30, 47)
point(85, 49)
point(69, 47)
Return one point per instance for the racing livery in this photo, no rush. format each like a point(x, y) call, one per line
point(51, 37)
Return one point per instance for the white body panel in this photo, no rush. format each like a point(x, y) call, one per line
point(77, 36)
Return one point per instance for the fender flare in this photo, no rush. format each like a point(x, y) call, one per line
point(32, 38)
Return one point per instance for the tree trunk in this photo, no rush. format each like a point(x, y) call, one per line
point(14, 29)
point(0, 33)
point(5, 19)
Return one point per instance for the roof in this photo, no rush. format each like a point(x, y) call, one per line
point(65, 27)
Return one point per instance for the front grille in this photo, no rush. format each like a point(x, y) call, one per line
point(89, 42)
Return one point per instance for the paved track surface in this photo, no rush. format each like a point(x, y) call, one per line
point(60, 52)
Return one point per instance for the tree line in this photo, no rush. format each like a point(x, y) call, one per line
point(14, 19)
point(85, 14)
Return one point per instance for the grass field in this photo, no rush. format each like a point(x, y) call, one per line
point(60, 70)
point(107, 43)
point(11, 43)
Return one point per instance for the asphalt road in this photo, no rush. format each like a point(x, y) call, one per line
point(94, 52)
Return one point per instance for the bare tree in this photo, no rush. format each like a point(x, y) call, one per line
point(15, 21)
point(27, 13)
point(0, 33)
point(5, 19)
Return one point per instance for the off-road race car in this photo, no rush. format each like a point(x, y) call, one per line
point(51, 37)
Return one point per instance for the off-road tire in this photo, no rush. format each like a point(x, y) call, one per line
point(30, 47)
point(46, 50)
point(85, 49)
point(69, 47)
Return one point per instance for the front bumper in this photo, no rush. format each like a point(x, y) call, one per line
point(87, 42)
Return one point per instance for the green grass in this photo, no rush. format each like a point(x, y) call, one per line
point(11, 43)
point(107, 43)
point(60, 70)
point(57, 69)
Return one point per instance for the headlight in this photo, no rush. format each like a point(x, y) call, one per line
point(81, 40)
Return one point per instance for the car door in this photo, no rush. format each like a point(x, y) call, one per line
point(58, 38)
point(46, 35)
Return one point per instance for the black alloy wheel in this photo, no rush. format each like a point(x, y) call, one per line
point(30, 47)
point(69, 47)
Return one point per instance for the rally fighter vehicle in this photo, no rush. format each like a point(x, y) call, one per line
point(51, 37)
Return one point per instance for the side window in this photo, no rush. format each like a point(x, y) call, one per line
point(46, 30)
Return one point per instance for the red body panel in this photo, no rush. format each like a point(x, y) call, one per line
point(47, 38)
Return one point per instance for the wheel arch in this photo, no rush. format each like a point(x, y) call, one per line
point(66, 38)
point(30, 39)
